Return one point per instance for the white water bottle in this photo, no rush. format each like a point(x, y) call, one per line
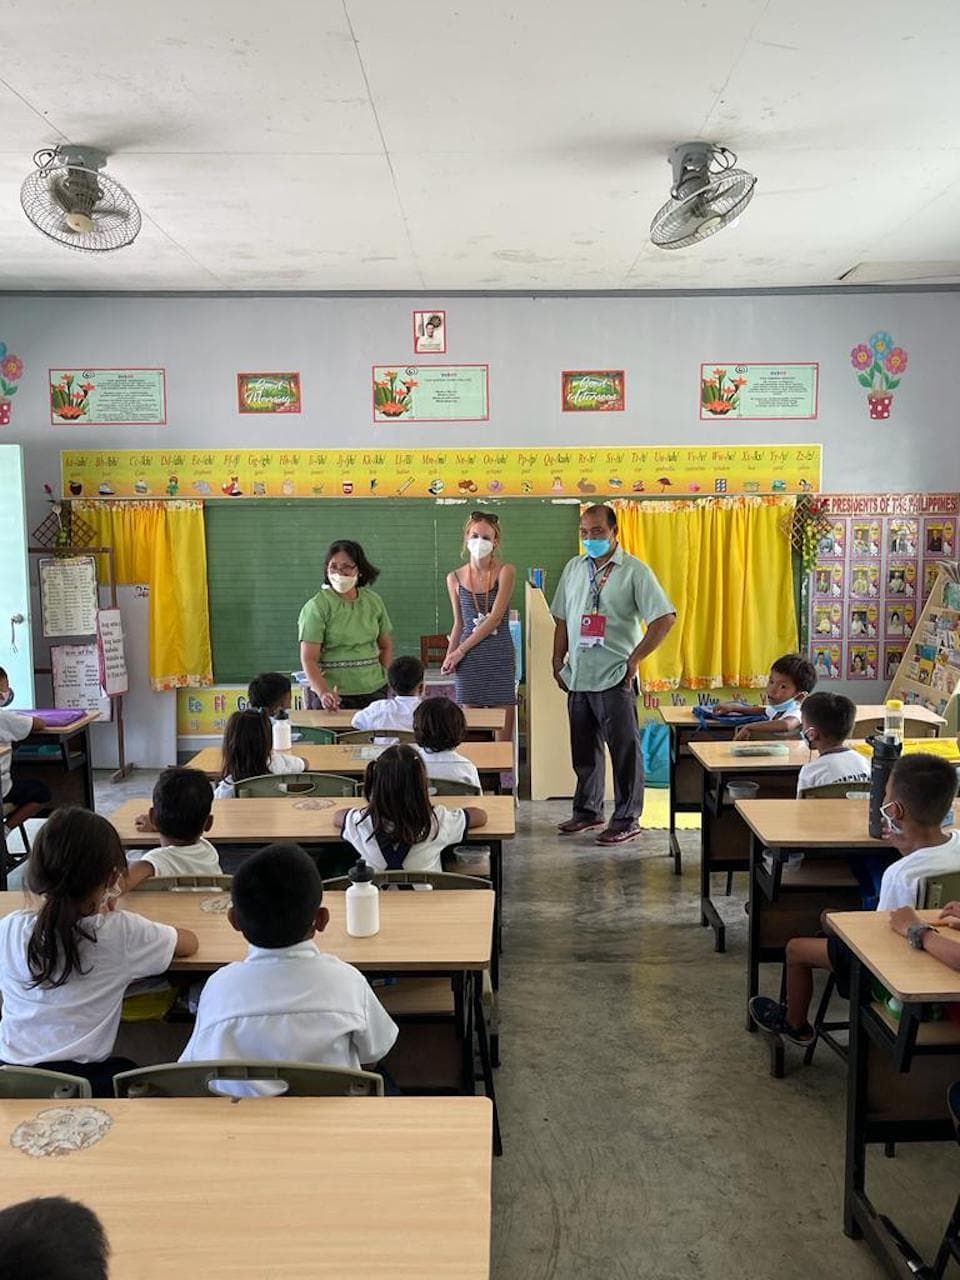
point(893, 719)
point(363, 902)
point(282, 735)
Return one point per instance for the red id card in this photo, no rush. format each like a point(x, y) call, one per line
point(593, 627)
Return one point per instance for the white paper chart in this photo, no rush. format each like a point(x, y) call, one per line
point(113, 662)
point(68, 596)
point(76, 678)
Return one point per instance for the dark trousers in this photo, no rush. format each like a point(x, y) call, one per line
point(609, 717)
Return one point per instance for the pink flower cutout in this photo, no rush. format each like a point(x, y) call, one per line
point(12, 368)
point(861, 357)
point(896, 361)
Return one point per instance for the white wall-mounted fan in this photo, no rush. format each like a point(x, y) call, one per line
point(708, 193)
point(72, 200)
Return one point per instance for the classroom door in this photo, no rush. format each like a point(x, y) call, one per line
point(16, 638)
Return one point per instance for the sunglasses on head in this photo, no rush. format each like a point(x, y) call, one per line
point(485, 515)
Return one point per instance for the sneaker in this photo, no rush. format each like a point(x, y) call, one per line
point(618, 835)
point(573, 826)
point(770, 1015)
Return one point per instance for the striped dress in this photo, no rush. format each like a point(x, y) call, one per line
point(486, 677)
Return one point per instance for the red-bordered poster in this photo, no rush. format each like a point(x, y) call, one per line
point(96, 397)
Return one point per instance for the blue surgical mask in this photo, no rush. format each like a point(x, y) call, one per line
point(596, 547)
point(780, 707)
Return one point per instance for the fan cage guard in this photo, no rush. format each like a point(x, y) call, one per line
point(697, 166)
point(117, 219)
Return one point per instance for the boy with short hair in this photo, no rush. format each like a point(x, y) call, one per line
point(405, 678)
point(181, 813)
point(920, 791)
point(439, 726)
point(270, 691)
point(287, 1001)
point(828, 720)
point(26, 796)
point(791, 678)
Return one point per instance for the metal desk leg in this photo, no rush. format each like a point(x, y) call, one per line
point(486, 1066)
point(753, 925)
point(496, 881)
point(708, 912)
point(467, 1080)
point(854, 1174)
point(3, 856)
point(83, 740)
point(674, 842)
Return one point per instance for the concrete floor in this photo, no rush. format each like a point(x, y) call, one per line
point(643, 1135)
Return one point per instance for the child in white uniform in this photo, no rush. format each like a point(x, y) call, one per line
point(400, 828)
point(26, 796)
point(405, 678)
point(248, 752)
point(828, 720)
point(65, 966)
point(440, 726)
point(791, 678)
point(181, 814)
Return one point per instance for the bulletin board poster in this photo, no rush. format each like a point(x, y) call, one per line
point(203, 713)
point(431, 393)
point(108, 397)
point(599, 391)
point(268, 392)
point(787, 392)
point(75, 674)
point(877, 559)
point(675, 471)
point(68, 595)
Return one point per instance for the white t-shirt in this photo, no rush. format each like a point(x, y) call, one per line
point(789, 710)
point(900, 886)
point(836, 766)
point(79, 1020)
point(388, 713)
point(14, 727)
point(450, 766)
point(279, 762)
point(449, 827)
point(290, 1004)
point(200, 859)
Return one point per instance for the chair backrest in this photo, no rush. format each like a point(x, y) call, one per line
point(185, 884)
point(33, 1082)
point(297, 784)
point(435, 879)
point(376, 735)
point(450, 787)
point(433, 649)
point(938, 890)
point(834, 790)
point(196, 1080)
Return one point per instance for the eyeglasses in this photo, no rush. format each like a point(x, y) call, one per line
point(485, 515)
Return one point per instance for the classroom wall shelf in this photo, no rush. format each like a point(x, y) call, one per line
point(929, 674)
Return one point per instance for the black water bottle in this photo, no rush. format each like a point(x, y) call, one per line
point(886, 753)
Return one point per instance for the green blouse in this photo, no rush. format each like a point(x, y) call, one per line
point(347, 632)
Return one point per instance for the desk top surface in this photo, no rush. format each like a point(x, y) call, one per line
point(910, 975)
point(379, 1188)
point(64, 730)
point(353, 758)
point(684, 717)
point(809, 824)
point(258, 821)
point(719, 755)
point(446, 929)
point(489, 718)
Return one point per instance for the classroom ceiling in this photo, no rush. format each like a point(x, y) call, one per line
point(378, 145)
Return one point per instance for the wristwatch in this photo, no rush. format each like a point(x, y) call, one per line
point(915, 935)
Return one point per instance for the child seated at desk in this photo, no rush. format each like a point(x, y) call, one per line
point(791, 678)
point(400, 828)
point(270, 691)
point(182, 800)
point(405, 678)
point(286, 1001)
point(248, 752)
point(828, 720)
point(65, 965)
point(920, 791)
point(25, 797)
point(440, 726)
point(52, 1238)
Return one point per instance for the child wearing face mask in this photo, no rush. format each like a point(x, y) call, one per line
point(405, 678)
point(791, 678)
point(65, 965)
point(827, 721)
point(920, 791)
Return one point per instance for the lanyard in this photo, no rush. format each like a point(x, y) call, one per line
point(598, 581)
point(481, 613)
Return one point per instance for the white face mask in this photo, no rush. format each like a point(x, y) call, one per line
point(480, 548)
point(342, 583)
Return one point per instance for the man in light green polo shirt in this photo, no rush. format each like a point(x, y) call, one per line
point(603, 602)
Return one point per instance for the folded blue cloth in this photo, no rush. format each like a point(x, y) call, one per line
point(709, 718)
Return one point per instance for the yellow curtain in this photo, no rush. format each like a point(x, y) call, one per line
point(727, 565)
point(162, 544)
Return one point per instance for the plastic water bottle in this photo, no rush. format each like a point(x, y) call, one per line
point(893, 720)
point(282, 735)
point(363, 902)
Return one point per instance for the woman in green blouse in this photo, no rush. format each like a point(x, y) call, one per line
point(345, 641)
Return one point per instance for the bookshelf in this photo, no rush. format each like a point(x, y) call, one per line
point(929, 675)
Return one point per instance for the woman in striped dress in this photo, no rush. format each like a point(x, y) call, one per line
point(480, 649)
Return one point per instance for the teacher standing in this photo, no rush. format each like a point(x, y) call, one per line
point(603, 601)
point(345, 641)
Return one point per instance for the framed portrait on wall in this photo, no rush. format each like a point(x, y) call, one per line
point(429, 332)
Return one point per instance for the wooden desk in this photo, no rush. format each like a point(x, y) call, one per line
point(278, 1186)
point(73, 753)
point(915, 1058)
point(685, 776)
point(724, 838)
point(491, 758)
point(924, 722)
point(481, 721)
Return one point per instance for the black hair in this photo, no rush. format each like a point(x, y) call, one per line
point(52, 1238)
point(366, 572)
point(397, 795)
point(76, 856)
point(276, 895)
point(797, 669)
point(608, 512)
point(925, 785)
point(247, 743)
point(182, 799)
point(268, 691)
point(439, 724)
point(831, 714)
point(405, 675)
point(3, 674)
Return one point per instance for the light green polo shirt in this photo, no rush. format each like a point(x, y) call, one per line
point(630, 600)
point(347, 632)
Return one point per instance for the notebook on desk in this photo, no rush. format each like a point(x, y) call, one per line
point(56, 717)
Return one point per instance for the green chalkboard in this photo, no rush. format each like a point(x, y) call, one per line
point(264, 559)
